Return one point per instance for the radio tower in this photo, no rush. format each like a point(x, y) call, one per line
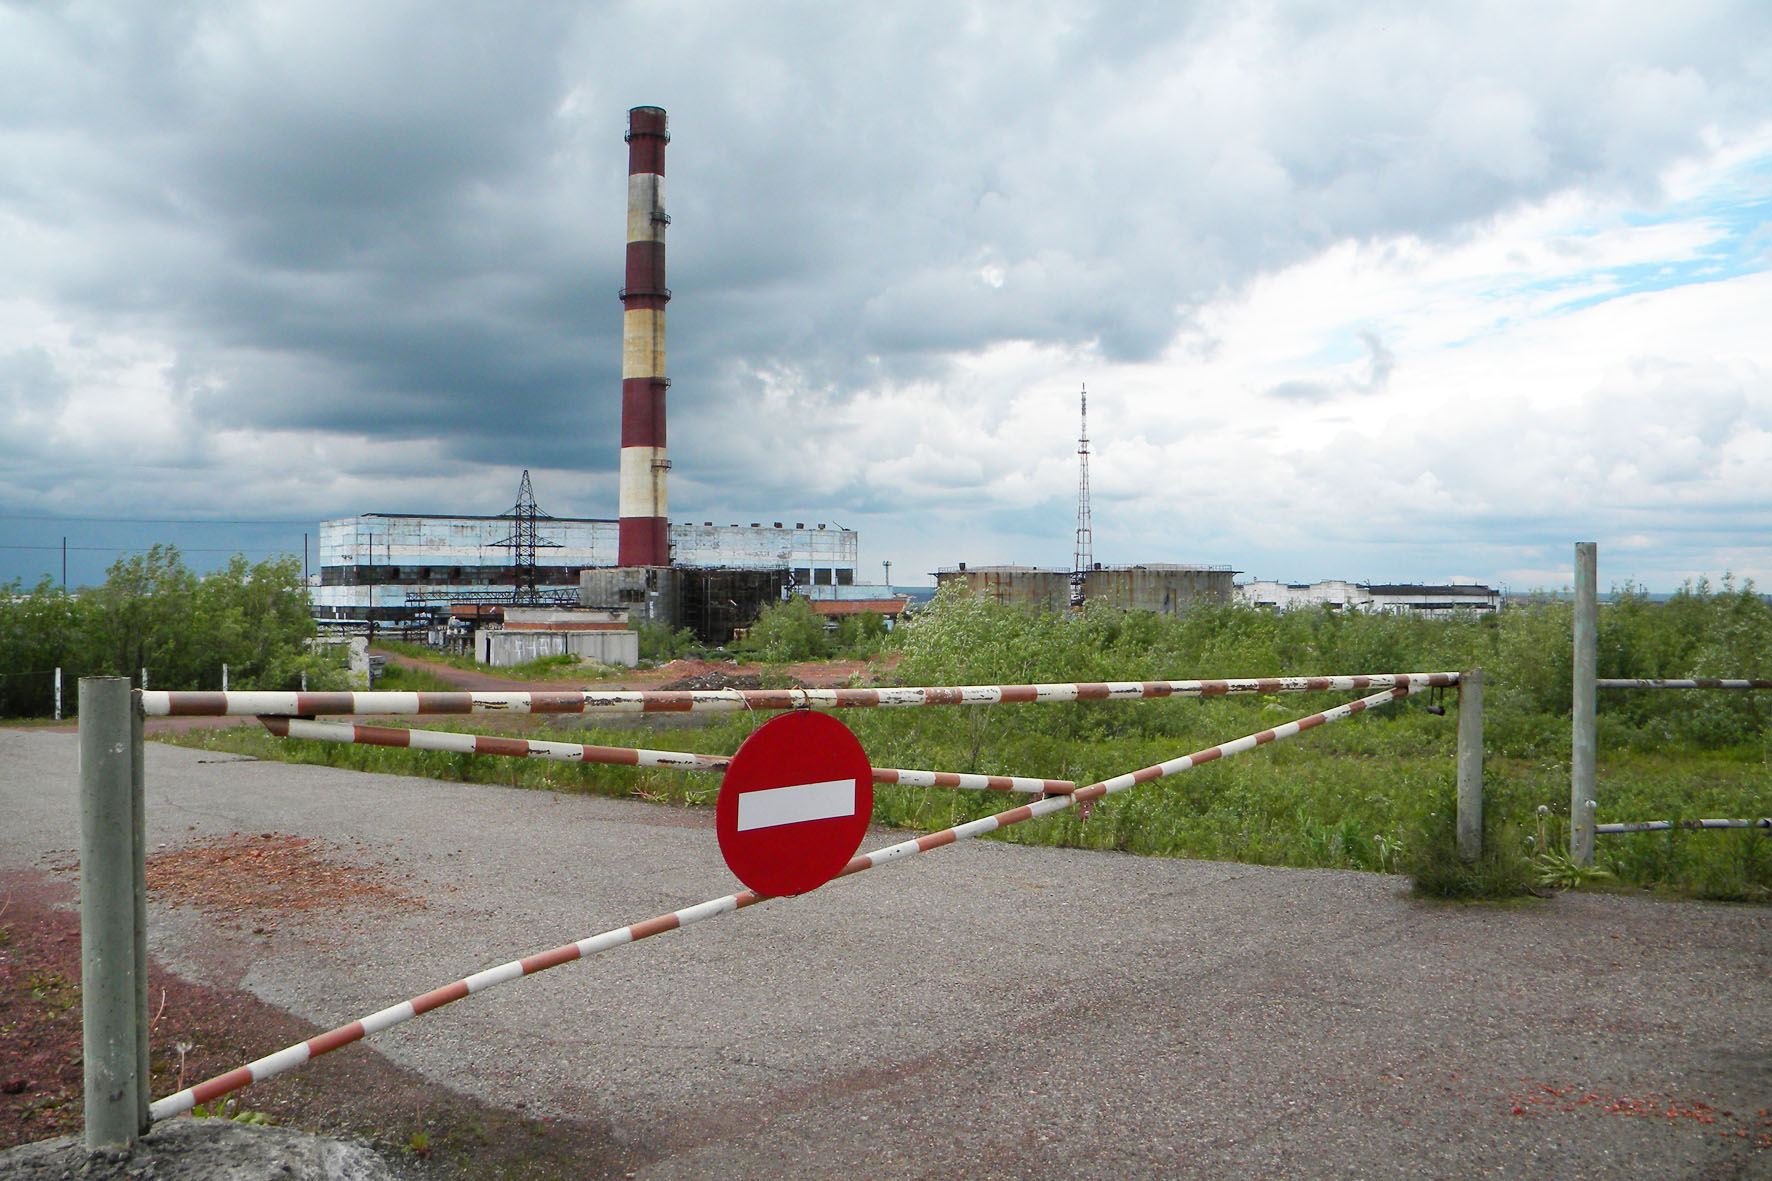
point(1084, 557)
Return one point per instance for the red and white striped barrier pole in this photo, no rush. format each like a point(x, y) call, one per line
point(162, 703)
point(485, 744)
point(344, 1035)
point(574, 752)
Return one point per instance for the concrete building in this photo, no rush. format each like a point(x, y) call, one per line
point(1165, 588)
point(1403, 598)
point(395, 567)
point(530, 633)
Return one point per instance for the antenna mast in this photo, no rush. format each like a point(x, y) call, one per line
point(1084, 557)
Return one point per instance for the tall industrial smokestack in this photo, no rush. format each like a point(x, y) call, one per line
point(644, 539)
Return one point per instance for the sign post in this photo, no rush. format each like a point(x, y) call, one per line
point(795, 804)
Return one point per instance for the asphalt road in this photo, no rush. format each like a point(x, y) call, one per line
point(984, 1010)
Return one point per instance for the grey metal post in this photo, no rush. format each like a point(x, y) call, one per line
point(58, 693)
point(224, 676)
point(144, 1090)
point(1584, 740)
point(144, 676)
point(1470, 764)
point(114, 1009)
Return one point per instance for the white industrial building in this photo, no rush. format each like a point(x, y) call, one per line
point(392, 564)
point(1400, 598)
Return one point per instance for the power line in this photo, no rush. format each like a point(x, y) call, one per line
point(114, 549)
point(158, 520)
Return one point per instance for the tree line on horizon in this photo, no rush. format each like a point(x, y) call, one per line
point(153, 612)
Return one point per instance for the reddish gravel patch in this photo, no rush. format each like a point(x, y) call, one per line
point(424, 1130)
point(256, 877)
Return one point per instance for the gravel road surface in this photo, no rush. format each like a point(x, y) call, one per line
point(984, 1010)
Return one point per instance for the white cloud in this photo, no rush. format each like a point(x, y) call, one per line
point(1351, 284)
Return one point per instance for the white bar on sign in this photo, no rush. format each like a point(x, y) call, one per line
point(792, 805)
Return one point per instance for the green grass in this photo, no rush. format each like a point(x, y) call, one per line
point(547, 668)
point(1374, 793)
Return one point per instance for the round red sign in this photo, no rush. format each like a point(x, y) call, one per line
point(794, 804)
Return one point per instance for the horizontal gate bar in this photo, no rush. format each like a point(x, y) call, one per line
point(1702, 683)
point(292, 1056)
point(161, 703)
point(452, 742)
point(1665, 825)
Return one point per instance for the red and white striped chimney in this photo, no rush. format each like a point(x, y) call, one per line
point(644, 539)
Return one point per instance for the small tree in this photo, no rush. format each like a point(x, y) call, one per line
point(860, 637)
point(787, 631)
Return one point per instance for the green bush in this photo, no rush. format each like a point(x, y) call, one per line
point(659, 642)
point(786, 631)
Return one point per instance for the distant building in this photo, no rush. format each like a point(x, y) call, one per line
point(1164, 588)
point(1400, 598)
point(397, 568)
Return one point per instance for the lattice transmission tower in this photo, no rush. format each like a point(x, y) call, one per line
point(1085, 556)
point(523, 542)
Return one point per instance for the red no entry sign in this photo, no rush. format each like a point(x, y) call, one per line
point(795, 803)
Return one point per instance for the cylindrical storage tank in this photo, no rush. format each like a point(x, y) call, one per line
point(644, 537)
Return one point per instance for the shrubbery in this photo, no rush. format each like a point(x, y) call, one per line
point(1374, 793)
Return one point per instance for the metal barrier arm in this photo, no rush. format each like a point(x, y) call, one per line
point(486, 744)
point(1702, 683)
point(293, 1056)
point(1665, 825)
point(621, 756)
point(161, 703)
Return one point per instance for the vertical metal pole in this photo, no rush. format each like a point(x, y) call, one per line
point(224, 676)
point(1470, 764)
point(58, 693)
point(1583, 737)
point(144, 676)
point(139, 881)
point(113, 998)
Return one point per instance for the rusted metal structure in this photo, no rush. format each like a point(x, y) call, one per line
point(1161, 587)
point(644, 531)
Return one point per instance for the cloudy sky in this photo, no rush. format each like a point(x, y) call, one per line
point(1365, 290)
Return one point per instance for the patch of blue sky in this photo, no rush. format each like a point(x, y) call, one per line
point(1735, 212)
point(1345, 346)
point(1738, 248)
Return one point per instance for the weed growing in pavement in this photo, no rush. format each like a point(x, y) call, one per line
point(1555, 870)
point(230, 1109)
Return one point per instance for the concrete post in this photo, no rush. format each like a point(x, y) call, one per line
point(224, 676)
point(113, 899)
point(1583, 739)
point(1470, 764)
point(58, 694)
